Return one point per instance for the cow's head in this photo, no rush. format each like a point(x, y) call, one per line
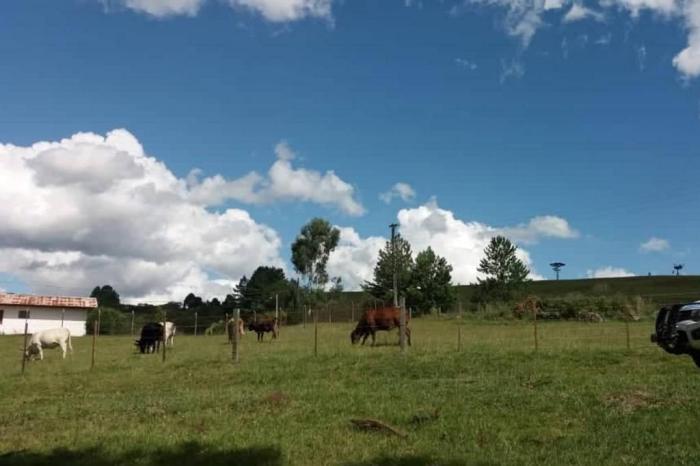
point(31, 351)
point(356, 335)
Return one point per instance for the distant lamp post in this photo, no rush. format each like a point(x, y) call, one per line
point(556, 266)
point(677, 268)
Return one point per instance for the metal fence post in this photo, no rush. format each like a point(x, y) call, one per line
point(316, 332)
point(402, 325)
point(94, 340)
point(235, 350)
point(24, 356)
point(534, 324)
point(164, 336)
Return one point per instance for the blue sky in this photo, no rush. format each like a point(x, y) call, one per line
point(489, 115)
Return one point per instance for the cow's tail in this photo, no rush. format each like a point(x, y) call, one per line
point(70, 347)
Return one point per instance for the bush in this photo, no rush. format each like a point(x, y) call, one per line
point(112, 322)
point(581, 307)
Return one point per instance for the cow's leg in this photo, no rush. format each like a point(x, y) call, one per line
point(374, 337)
point(41, 353)
point(408, 336)
point(63, 350)
point(70, 347)
point(364, 337)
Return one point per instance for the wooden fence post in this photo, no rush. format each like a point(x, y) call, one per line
point(303, 311)
point(165, 340)
point(24, 348)
point(402, 325)
point(195, 323)
point(94, 340)
point(63, 316)
point(352, 312)
point(234, 347)
point(99, 319)
point(132, 322)
point(330, 313)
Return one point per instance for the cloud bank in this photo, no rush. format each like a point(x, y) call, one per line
point(461, 242)
point(92, 209)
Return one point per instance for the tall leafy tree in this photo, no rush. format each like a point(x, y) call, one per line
point(431, 283)
point(381, 287)
point(311, 249)
point(106, 296)
point(504, 271)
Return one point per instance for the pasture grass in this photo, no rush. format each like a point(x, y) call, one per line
point(582, 398)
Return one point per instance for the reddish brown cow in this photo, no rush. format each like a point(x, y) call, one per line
point(386, 318)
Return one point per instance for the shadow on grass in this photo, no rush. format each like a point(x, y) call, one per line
point(409, 460)
point(185, 454)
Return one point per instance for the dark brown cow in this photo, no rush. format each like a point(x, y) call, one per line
point(386, 318)
point(262, 326)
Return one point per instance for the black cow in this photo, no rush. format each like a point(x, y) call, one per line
point(387, 318)
point(263, 326)
point(151, 335)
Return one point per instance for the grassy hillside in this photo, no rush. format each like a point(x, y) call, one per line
point(657, 289)
point(583, 398)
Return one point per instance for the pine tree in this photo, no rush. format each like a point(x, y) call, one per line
point(504, 271)
point(383, 284)
point(431, 284)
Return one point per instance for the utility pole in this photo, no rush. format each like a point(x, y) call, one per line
point(393, 227)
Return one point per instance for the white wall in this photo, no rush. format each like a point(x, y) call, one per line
point(42, 319)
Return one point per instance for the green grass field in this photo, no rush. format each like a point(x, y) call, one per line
point(583, 398)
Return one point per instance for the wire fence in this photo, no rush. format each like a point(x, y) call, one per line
point(326, 327)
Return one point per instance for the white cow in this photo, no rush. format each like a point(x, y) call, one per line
point(48, 339)
point(170, 330)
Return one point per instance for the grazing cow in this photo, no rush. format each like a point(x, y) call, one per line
point(230, 325)
point(48, 339)
point(386, 318)
point(170, 330)
point(264, 325)
point(151, 335)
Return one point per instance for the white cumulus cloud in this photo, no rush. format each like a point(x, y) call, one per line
point(609, 272)
point(402, 191)
point(271, 10)
point(546, 226)
point(164, 8)
point(92, 209)
point(579, 12)
point(287, 10)
point(283, 183)
point(654, 244)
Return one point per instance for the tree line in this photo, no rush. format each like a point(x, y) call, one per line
point(424, 281)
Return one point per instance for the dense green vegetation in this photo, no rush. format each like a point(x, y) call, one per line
point(583, 398)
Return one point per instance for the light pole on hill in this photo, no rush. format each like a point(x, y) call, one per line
point(677, 268)
point(556, 266)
